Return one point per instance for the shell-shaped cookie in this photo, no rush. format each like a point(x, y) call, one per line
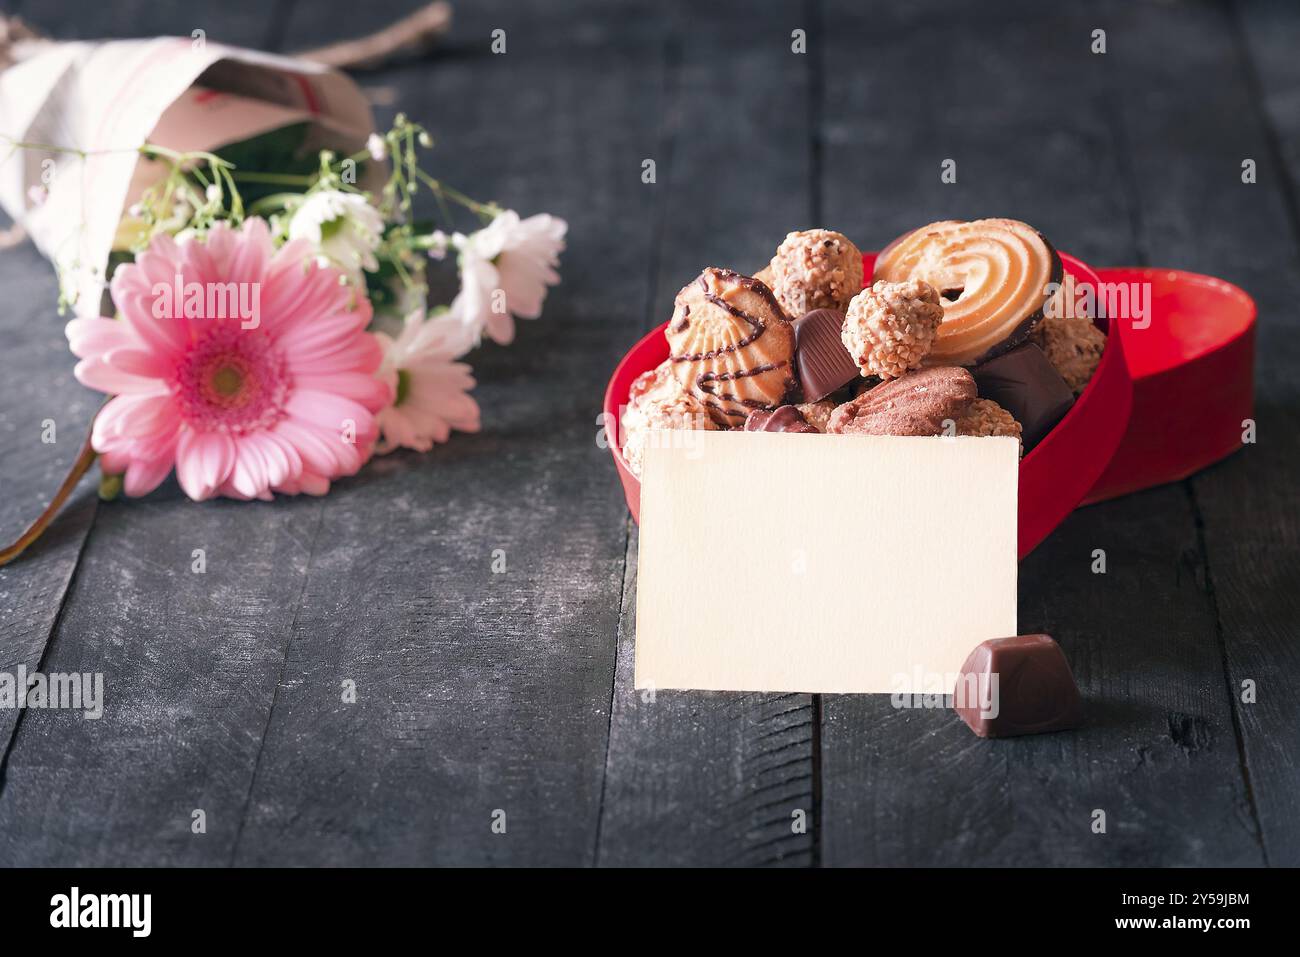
point(731, 345)
point(915, 404)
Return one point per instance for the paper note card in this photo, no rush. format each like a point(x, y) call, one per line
point(777, 561)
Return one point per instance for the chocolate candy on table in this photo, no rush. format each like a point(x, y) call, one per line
point(824, 364)
point(785, 419)
point(1026, 384)
point(1034, 690)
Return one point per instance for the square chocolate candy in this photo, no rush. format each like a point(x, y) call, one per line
point(1020, 685)
point(824, 364)
point(1027, 385)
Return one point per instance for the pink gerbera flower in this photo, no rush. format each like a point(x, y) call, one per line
point(246, 369)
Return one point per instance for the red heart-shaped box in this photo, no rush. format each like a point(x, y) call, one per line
point(1192, 360)
point(1191, 368)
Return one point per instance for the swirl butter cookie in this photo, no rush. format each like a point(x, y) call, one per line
point(917, 403)
point(994, 275)
point(732, 347)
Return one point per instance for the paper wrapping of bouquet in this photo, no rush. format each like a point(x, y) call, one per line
point(107, 99)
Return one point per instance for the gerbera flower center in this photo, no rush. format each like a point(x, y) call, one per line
point(227, 381)
point(232, 380)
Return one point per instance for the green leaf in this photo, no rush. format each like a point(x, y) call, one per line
point(282, 151)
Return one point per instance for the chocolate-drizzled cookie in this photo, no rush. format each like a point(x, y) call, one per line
point(732, 346)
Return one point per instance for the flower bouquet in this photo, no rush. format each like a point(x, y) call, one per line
point(248, 278)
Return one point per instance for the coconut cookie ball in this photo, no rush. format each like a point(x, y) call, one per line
point(660, 410)
point(1073, 345)
point(891, 327)
point(817, 414)
point(816, 269)
point(986, 417)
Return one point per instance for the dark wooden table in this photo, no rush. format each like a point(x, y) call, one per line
point(481, 692)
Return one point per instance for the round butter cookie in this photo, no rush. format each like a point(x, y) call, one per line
point(994, 277)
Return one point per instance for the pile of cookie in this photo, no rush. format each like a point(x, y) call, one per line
point(967, 328)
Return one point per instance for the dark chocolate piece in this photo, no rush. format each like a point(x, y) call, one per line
point(824, 363)
point(1020, 685)
point(785, 419)
point(1026, 384)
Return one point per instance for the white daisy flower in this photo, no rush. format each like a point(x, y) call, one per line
point(343, 227)
point(505, 270)
point(430, 387)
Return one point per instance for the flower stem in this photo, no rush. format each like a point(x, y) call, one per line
point(282, 179)
point(487, 211)
point(85, 459)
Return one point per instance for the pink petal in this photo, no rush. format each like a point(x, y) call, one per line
point(327, 411)
point(252, 255)
point(141, 362)
point(319, 453)
point(249, 475)
point(137, 417)
point(153, 266)
point(370, 392)
point(97, 374)
point(500, 328)
point(313, 484)
point(286, 449)
point(97, 335)
point(277, 464)
point(337, 349)
point(169, 336)
point(144, 475)
point(203, 462)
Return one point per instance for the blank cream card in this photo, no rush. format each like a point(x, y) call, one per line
point(777, 561)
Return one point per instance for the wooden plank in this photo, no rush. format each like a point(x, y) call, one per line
point(695, 777)
point(190, 661)
point(480, 692)
point(1019, 101)
point(190, 664)
point(36, 388)
point(704, 778)
point(251, 24)
point(1239, 69)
